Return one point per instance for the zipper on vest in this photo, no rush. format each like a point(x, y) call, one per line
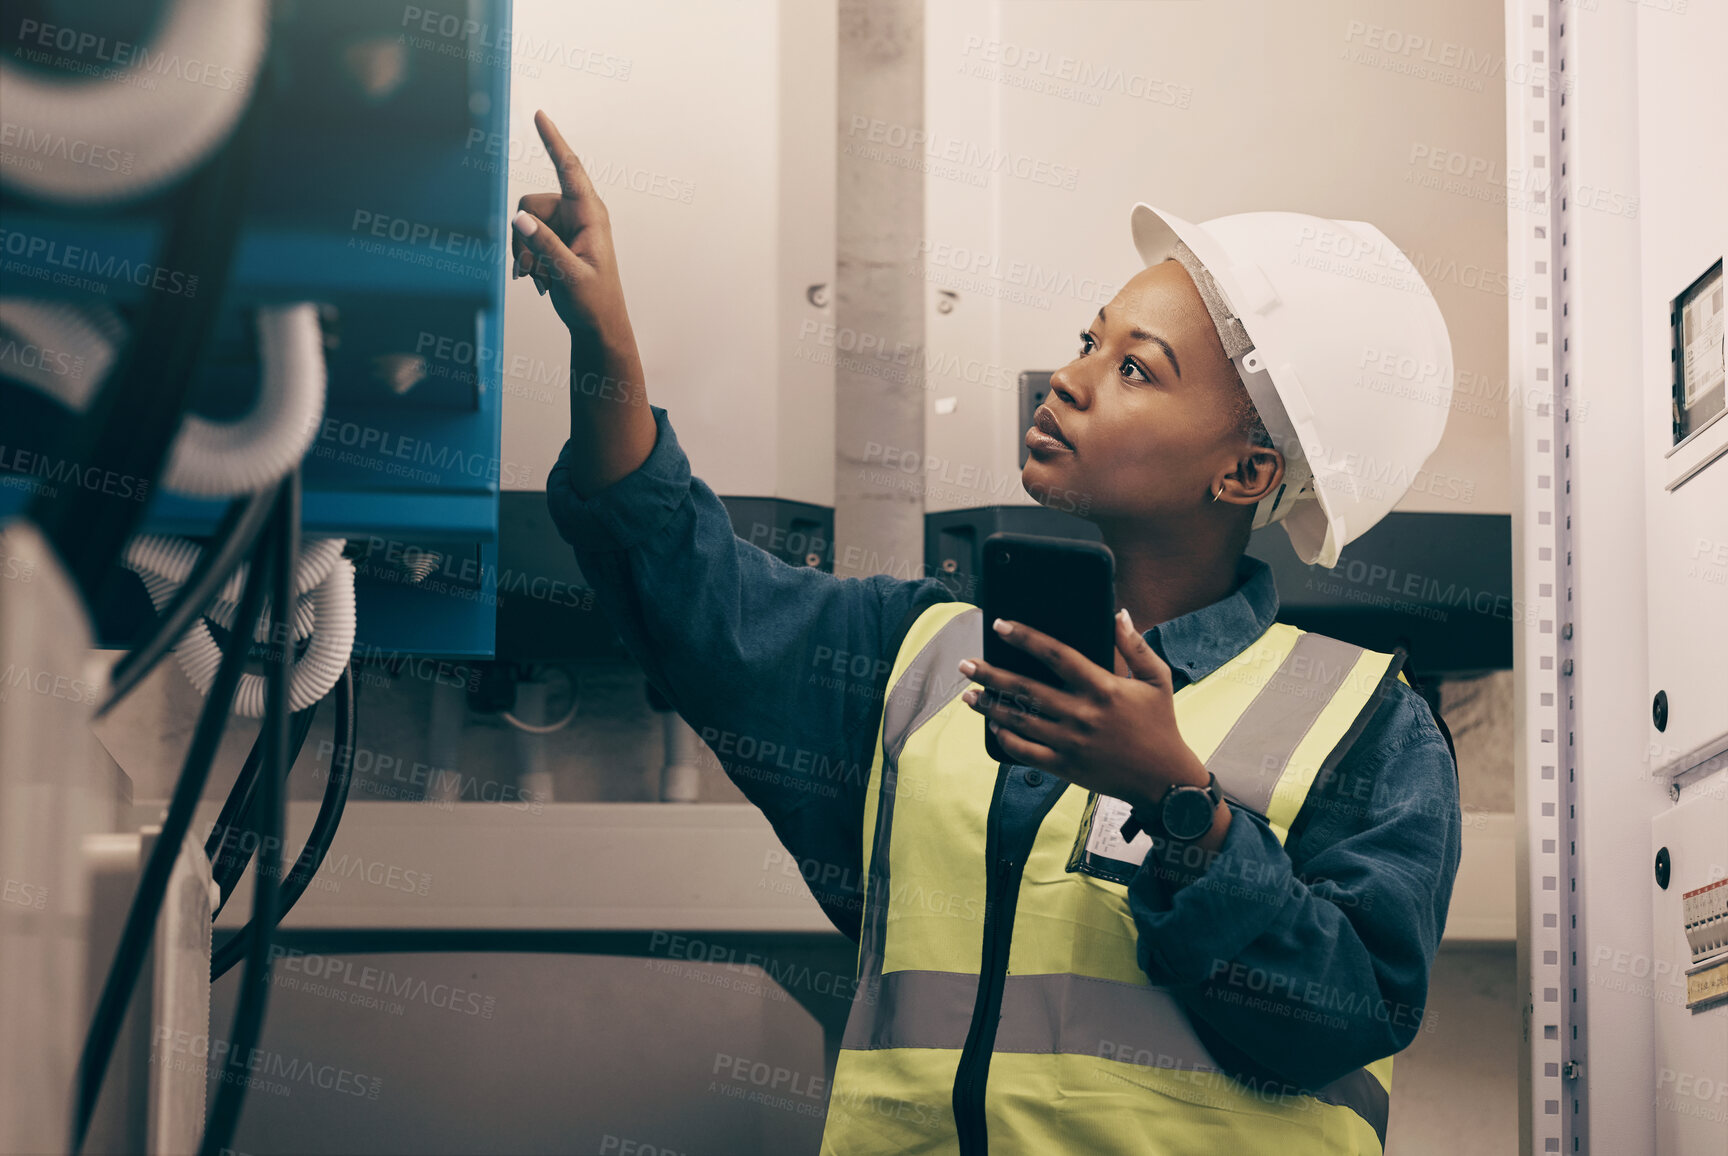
point(1001, 898)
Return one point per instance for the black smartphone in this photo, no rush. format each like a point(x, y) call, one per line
point(1062, 586)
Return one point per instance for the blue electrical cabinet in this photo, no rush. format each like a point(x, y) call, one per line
point(373, 195)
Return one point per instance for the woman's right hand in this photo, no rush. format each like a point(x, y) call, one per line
point(564, 241)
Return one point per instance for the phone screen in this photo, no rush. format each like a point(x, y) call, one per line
point(1063, 587)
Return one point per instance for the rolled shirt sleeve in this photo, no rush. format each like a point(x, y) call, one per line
point(780, 669)
point(1298, 966)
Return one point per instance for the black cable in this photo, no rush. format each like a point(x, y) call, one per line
point(239, 801)
point(233, 540)
point(336, 787)
point(254, 997)
point(140, 928)
point(130, 425)
point(323, 832)
point(229, 846)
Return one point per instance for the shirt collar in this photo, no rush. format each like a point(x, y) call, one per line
point(1199, 642)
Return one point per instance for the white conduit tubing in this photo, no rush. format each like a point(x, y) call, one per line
point(314, 672)
point(323, 611)
point(209, 459)
point(179, 99)
point(174, 558)
point(63, 350)
point(222, 459)
point(165, 564)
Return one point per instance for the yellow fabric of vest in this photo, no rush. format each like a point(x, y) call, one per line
point(1089, 1056)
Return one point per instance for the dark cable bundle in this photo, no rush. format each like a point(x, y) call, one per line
point(268, 810)
point(231, 840)
point(318, 840)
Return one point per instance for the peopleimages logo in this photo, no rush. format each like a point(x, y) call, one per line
point(867, 131)
point(1067, 77)
point(395, 449)
point(36, 254)
point(263, 1064)
point(45, 682)
point(345, 975)
point(495, 44)
point(29, 147)
point(37, 40)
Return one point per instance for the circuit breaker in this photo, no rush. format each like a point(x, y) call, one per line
point(1687, 977)
point(1704, 913)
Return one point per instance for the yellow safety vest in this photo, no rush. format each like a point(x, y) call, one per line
point(1087, 1055)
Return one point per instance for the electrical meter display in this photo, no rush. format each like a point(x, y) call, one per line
point(1698, 358)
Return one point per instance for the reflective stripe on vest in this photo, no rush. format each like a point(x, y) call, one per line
point(1088, 1055)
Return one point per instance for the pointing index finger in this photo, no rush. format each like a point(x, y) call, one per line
point(572, 177)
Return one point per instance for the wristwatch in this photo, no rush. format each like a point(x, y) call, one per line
point(1186, 812)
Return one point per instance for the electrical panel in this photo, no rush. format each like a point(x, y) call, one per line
point(1683, 171)
point(372, 195)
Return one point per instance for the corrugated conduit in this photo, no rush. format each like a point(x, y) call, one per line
point(323, 614)
point(220, 459)
point(209, 459)
point(153, 121)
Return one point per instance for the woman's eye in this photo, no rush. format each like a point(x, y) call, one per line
point(1086, 343)
point(1130, 367)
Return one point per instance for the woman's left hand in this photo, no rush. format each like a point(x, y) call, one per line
point(1109, 733)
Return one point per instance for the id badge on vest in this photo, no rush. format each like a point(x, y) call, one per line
point(1099, 849)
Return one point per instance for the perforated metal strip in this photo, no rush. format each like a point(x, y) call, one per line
point(1538, 224)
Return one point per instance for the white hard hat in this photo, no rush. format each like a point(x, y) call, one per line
point(1315, 313)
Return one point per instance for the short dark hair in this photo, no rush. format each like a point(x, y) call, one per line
point(1248, 422)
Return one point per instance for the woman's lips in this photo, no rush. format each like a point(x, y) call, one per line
point(1045, 436)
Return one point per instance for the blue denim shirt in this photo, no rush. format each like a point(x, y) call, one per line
point(1296, 962)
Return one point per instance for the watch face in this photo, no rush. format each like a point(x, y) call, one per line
point(1188, 813)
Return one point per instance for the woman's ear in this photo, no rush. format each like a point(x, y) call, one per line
point(1258, 472)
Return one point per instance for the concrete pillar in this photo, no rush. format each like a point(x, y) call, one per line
point(879, 291)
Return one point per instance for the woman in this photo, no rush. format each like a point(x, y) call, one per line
point(1029, 979)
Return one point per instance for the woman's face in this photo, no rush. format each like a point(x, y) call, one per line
point(1149, 409)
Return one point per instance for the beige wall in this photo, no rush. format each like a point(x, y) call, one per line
point(1252, 105)
point(708, 139)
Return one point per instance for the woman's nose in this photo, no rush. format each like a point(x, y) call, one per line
point(1066, 384)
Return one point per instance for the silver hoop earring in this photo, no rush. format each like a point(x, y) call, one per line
point(1220, 491)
